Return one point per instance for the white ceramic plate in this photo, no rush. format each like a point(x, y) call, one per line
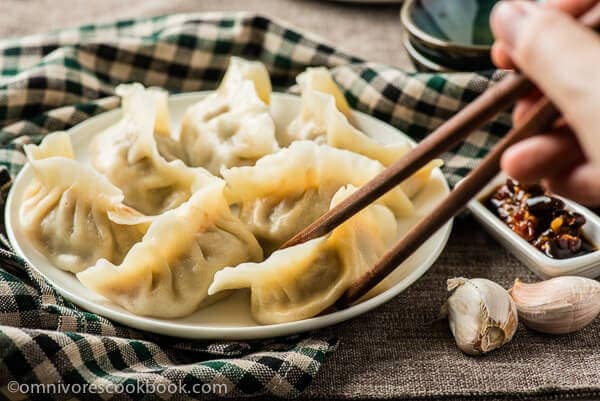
point(230, 318)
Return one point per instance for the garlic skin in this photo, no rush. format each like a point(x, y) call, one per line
point(557, 306)
point(481, 314)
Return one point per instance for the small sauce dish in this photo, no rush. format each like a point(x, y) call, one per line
point(587, 265)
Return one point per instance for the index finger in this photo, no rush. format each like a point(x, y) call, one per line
point(574, 7)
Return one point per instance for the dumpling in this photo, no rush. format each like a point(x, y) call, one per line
point(127, 154)
point(232, 126)
point(322, 122)
point(286, 191)
point(72, 214)
point(302, 281)
point(321, 119)
point(167, 274)
point(325, 117)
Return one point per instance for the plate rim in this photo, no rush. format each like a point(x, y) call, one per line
point(190, 331)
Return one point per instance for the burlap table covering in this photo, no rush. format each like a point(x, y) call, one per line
point(401, 350)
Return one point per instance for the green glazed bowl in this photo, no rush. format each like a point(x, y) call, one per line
point(452, 33)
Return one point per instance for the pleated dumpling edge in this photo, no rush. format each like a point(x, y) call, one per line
point(68, 206)
point(167, 274)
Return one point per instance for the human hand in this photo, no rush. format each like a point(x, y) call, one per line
point(563, 59)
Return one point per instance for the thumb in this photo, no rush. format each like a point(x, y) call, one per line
point(558, 54)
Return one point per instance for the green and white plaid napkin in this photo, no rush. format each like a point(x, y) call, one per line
point(53, 81)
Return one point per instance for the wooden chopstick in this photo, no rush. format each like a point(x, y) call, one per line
point(542, 114)
point(539, 117)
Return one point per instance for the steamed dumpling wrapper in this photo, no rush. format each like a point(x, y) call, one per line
point(301, 281)
point(127, 154)
point(72, 214)
point(322, 122)
point(167, 274)
point(241, 70)
point(232, 126)
point(286, 191)
point(319, 79)
point(325, 117)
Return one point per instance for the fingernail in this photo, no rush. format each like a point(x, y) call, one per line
point(508, 17)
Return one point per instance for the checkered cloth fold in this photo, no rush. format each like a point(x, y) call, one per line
point(53, 81)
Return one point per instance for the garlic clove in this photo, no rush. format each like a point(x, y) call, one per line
point(481, 314)
point(557, 306)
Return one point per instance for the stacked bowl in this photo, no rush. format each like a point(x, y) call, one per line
point(448, 35)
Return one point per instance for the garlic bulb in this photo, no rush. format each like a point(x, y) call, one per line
point(559, 305)
point(481, 314)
